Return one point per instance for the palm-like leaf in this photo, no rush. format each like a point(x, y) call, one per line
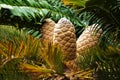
point(103, 12)
point(53, 57)
point(10, 53)
point(9, 31)
point(27, 55)
point(31, 14)
point(104, 62)
point(10, 70)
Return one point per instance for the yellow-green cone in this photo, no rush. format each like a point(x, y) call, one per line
point(64, 36)
point(47, 30)
point(88, 39)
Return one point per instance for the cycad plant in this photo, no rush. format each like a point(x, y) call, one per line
point(27, 58)
point(103, 13)
point(105, 63)
point(41, 60)
point(24, 57)
point(31, 14)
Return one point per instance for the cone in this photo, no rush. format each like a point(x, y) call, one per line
point(47, 30)
point(89, 38)
point(64, 36)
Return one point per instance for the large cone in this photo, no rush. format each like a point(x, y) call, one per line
point(88, 38)
point(64, 36)
point(47, 30)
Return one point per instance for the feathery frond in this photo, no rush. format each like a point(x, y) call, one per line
point(30, 54)
point(105, 13)
point(32, 13)
point(53, 57)
point(104, 62)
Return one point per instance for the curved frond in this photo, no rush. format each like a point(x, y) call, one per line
point(104, 62)
point(30, 54)
point(106, 14)
point(30, 14)
point(36, 11)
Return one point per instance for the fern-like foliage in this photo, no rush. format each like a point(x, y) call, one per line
point(10, 70)
point(104, 62)
point(23, 56)
point(32, 13)
point(105, 13)
point(9, 31)
point(53, 57)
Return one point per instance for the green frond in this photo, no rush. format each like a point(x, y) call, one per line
point(35, 56)
point(36, 11)
point(53, 56)
point(31, 14)
point(11, 43)
point(34, 33)
point(11, 71)
point(105, 13)
point(104, 62)
point(9, 32)
point(27, 68)
point(13, 53)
